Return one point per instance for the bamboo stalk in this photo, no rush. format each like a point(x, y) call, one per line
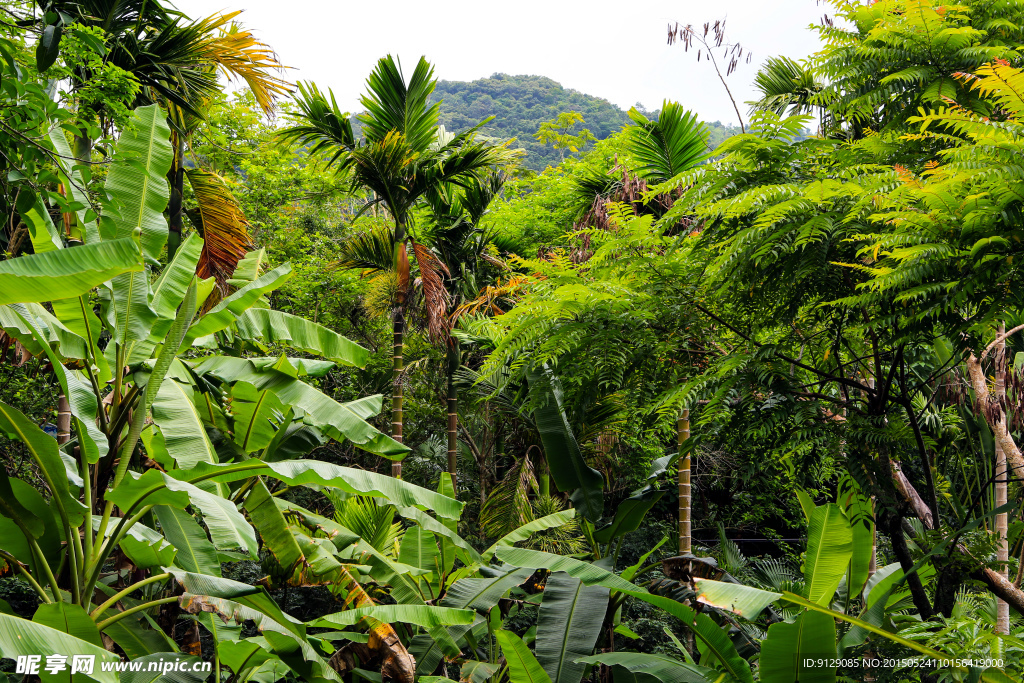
point(685, 532)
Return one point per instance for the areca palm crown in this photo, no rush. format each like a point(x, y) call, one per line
point(402, 156)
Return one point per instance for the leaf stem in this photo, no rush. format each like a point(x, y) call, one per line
point(128, 591)
point(28, 576)
point(138, 608)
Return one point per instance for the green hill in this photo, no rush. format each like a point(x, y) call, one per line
point(519, 104)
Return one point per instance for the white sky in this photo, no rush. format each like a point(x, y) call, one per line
point(616, 50)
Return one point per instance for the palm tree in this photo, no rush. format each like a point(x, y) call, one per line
point(785, 86)
point(403, 156)
point(176, 62)
point(463, 247)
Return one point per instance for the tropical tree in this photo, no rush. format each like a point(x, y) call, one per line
point(402, 157)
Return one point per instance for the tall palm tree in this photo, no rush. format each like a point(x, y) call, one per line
point(403, 156)
point(463, 247)
point(176, 61)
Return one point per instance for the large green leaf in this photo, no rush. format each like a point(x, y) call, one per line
point(81, 397)
point(66, 273)
point(829, 549)
point(422, 615)
point(227, 526)
point(656, 667)
point(195, 551)
point(41, 230)
point(77, 315)
point(231, 307)
point(278, 538)
point(788, 646)
point(147, 549)
point(339, 420)
point(152, 487)
point(43, 450)
point(23, 637)
point(257, 416)
point(565, 460)
point(629, 515)
point(524, 532)
point(746, 601)
point(73, 180)
point(136, 183)
point(714, 638)
point(568, 625)
point(182, 428)
point(523, 667)
point(284, 329)
point(419, 549)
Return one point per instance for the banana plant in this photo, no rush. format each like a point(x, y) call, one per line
point(166, 428)
point(835, 581)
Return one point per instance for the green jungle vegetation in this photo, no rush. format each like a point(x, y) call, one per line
point(292, 395)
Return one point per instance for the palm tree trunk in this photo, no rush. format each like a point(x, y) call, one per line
point(1002, 474)
point(398, 361)
point(397, 395)
point(176, 177)
point(454, 359)
point(685, 535)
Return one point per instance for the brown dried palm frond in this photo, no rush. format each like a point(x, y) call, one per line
point(435, 295)
point(222, 224)
point(493, 297)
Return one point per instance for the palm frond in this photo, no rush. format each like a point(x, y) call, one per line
point(222, 224)
point(372, 251)
point(508, 506)
point(674, 143)
point(394, 105)
point(435, 296)
point(320, 123)
point(375, 523)
point(785, 85)
point(237, 53)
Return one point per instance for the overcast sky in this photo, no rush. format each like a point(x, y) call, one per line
point(619, 53)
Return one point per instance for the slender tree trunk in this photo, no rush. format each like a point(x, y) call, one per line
point(1002, 475)
point(398, 361)
point(397, 395)
point(176, 177)
point(682, 434)
point(454, 359)
point(63, 419)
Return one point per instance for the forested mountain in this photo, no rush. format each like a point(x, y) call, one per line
point(519, 104)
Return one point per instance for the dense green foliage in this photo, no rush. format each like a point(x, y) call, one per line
point(221, 331)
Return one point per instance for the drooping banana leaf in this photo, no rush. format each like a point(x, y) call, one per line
point(829, 548)
point(181, 425)
point(523, 667)
point(711, 634)
point(568, 624)
point(276, 327)
point(651, 667)
point(195, 552)
point(565, 460)
point(342, 421)
point(68, 272)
